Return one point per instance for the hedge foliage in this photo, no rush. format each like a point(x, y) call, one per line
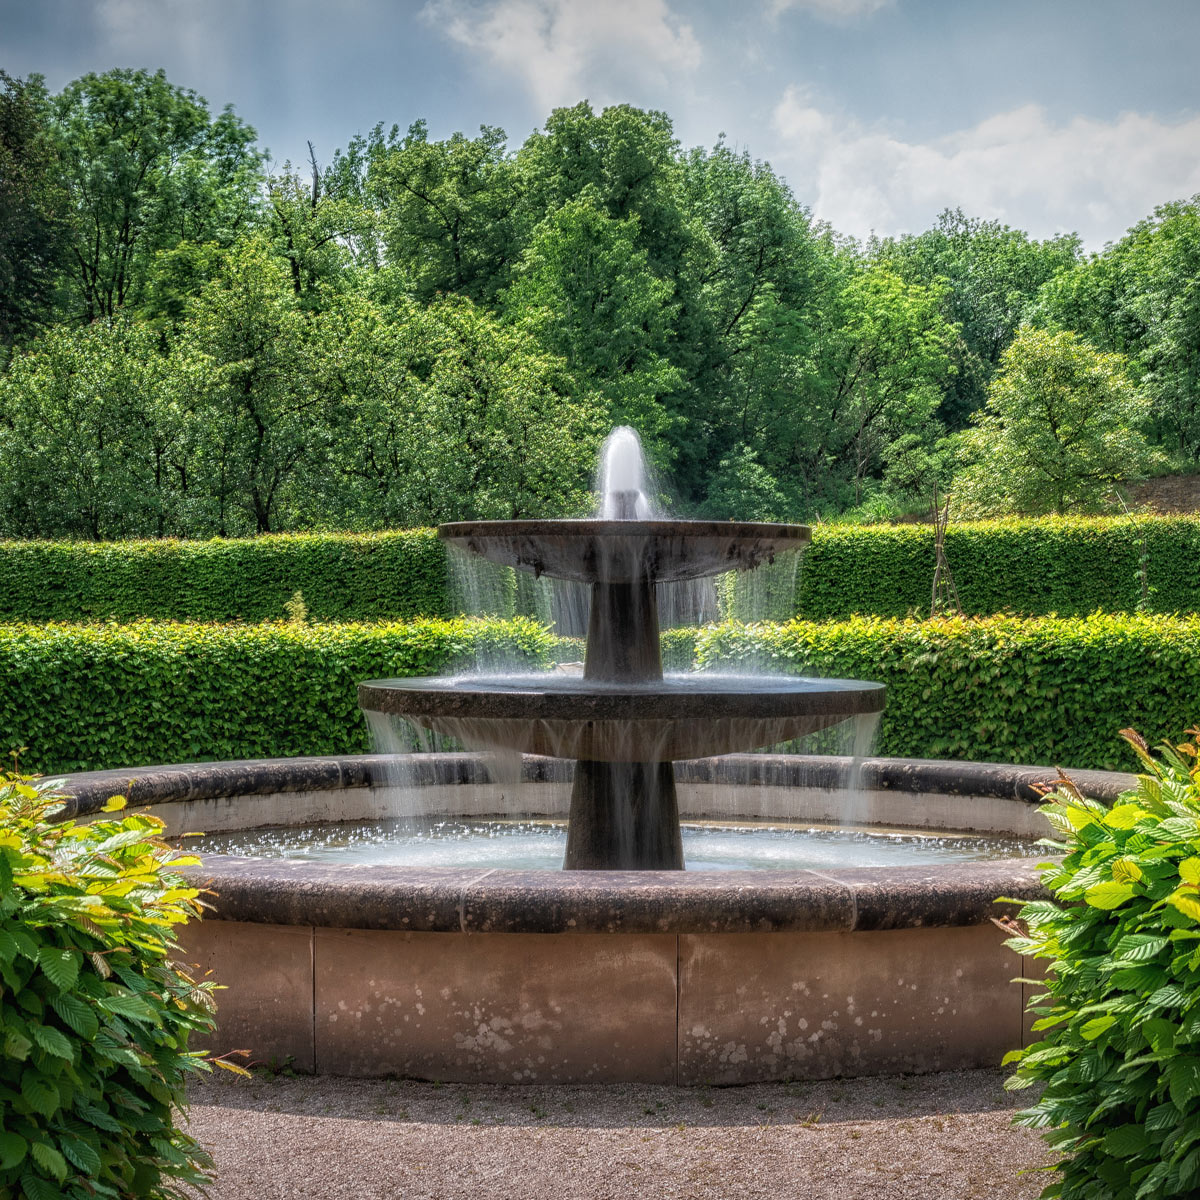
point(1003, 689)
point(343, 577)
point(1119, 1016)
point(95, 1016)
point(1068, 566)
point(86, 697)
point(1047, 690)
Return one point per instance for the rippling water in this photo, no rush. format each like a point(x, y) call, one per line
point(539, 845)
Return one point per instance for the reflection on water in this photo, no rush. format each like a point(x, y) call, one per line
point(539, 845)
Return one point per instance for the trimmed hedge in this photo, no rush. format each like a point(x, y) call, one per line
point(1069, 566)
point(86, 697)
point(1047, 691)
point(344, 577)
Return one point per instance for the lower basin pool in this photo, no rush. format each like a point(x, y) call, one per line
point(539, 845)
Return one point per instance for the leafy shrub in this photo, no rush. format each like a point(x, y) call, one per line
point(1120, 1056)
point(1000, 689)
point(344, 577)
point(94, 1016)
point(82, 697)
point(1068, 566)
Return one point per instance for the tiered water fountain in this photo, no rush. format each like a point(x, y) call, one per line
point(462, 967)
point(623, 723)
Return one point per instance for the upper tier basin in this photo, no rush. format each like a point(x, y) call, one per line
point(680, 717)
point(624, 551)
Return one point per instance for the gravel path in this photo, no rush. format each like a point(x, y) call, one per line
point(916, 1137)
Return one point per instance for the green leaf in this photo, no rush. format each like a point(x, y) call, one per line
point(60, 965)
point(1126, 1141)
point(50, 1160)
point(76, 1013)
point(39, 1094)
point(1108, 895)
point(1096, 1026)
point(1183, 1080)
point(81, 1154)
point(132, 1007)
point(53, 1041)
point(12, 1150)
point(37, 1187)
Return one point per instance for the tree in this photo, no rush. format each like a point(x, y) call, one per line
point(260, 422)
point(586, 291)
point(993, 274)
point(87, 428)
point(448, 209)
point(1059, 432)
point(626, 158)
point(32, 208)
point(835, 396)
point(1141, 298)
point(444, 413)
point(146, 168)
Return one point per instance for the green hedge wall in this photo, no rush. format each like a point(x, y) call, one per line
point(87, 697)
point(1065, 565)
point(344, 577)
point(1048, 691)
point(1068, 566)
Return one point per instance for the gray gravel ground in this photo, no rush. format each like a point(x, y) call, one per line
point(932, 1137)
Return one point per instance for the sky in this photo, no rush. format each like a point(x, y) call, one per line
point(1051, 116)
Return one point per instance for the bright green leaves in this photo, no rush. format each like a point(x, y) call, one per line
point(1091, 1030)
point(1108, 895)
point(94, 1017)
point(1119, 1062)
point(1060, 429)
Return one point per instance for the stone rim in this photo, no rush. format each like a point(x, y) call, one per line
point(591, 550)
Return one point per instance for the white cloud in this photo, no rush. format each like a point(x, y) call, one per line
point(831, 10)
point(1084, 175)
point(563, 50)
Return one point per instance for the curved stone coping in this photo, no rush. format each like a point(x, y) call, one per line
point(451, 900)
point(153, 785)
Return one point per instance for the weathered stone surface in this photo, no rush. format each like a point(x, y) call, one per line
point(496, 1008)
point(266, 1004)
point(817, 1005)
point(447, 899)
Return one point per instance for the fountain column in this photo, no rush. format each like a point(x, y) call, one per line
point(624, 814)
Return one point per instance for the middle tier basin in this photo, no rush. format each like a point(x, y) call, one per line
point(679, 717)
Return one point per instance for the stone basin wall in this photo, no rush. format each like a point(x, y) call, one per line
point(690, 978)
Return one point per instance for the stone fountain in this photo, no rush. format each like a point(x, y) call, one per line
point(482, 973)
point(624, 724)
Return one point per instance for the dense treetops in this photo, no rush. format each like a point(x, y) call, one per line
point(420, 329)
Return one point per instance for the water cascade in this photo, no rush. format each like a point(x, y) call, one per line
point(622, 722)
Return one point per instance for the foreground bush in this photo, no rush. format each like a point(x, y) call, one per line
point(94, 1016)
point(1120, 1056)
point(1002, 689)
point(82, 697)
